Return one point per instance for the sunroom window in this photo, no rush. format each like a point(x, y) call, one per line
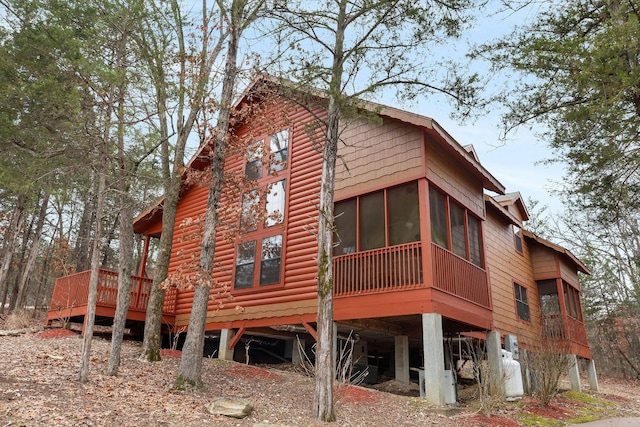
point(454, 228)
point(383, 218)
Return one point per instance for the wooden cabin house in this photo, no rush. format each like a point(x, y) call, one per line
point(429, 249)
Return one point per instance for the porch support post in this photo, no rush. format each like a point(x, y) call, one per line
point(145, 254)
point(297, 356)
point(335, 347)
point(592, 375)
point(402, 358)
point(494, 359)
point(224, 353)
point(574, 373)
point(432, 339)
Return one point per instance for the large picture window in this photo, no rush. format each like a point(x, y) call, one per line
point(454, 228)
point(270, 262)
point(383, 218)
point(262, 213)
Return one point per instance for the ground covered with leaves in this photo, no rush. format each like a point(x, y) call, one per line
point(39, 387)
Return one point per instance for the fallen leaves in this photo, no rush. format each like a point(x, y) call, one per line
point(38, 386)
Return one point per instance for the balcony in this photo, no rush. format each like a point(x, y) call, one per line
point(71, 294)
point(378, 270)
point(399, 268)
point(459, 277)
point(563, 327)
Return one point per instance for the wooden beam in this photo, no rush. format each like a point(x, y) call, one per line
point(376, 325)
point(236, 338)
point(312, 331)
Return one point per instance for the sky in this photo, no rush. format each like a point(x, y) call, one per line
point(517, 163)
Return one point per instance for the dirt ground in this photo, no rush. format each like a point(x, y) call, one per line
point(39, 387)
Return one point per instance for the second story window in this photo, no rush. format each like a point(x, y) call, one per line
point(274, 204)
point(279, 150)
point(522, 302)
point(454, 228)
point(262, 213)
point(517, 237)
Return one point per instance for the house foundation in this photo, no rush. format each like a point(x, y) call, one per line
point(226, 335)
point(432, 338)
point(401, 358)
point(592, 375)
point(574, 373)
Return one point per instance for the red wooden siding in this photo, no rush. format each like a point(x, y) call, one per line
point(446, 174)
point(299, 242)
point(378, 155)
point(544, 263)
point(568, 273)
point(507, 266)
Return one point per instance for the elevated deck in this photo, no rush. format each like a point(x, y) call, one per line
point(71, 294)
point(566, 329)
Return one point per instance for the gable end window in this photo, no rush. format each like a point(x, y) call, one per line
point(279, 148)
point(522, 302)
point(259, 259)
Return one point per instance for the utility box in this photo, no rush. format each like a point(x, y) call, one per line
point(511, 345)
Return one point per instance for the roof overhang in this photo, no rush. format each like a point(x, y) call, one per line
point(561, 250)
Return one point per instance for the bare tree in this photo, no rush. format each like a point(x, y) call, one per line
point(238, 14)
point(165, 42)
point(351, 50)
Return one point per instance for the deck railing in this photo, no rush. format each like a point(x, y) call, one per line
point(561, 326)
point(378, 270)
point(400, 267)
point(73, 291)
point(459, 277)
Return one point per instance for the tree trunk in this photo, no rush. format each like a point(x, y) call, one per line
point(173, 181)
point(33, 253)
point(125, 256)
point(153, 323)
point(190, 375)
point(90, 317)
point(82, 250)
point(325, 370)
point(42, 284)
point(11, 236)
